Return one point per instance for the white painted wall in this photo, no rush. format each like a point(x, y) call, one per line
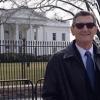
point(58, 31)
point(45, 31)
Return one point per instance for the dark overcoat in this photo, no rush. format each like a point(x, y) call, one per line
point(66, 77)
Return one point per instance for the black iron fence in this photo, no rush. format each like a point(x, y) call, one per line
point(26, 60)
point(38, 89)
point(16, 90)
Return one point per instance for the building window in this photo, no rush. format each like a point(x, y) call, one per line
point(20, 35)
point(63, 36)
point(54, 36)
point(6, 35)
point(35, 33)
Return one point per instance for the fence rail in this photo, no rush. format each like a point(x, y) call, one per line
point(16, 89)
point(25, 60)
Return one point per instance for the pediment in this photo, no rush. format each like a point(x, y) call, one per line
point(23, 13)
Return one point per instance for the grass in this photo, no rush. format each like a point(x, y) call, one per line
point(32, 71)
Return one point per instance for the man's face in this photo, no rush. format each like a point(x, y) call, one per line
point(84, 29)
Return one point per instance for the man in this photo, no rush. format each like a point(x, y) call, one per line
point(74, 72)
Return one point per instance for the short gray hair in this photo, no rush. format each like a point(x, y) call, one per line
point(83, 13)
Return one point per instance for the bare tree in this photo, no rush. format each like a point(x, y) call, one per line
point(68, 6)
point(63, 9)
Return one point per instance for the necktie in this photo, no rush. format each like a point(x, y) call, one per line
point(90, 68)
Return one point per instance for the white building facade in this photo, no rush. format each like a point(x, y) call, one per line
point(24, 23)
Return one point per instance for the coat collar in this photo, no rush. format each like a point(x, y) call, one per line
point(71, 50)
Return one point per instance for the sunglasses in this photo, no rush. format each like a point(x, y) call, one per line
point(88, 25)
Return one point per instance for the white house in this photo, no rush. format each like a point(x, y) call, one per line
point(24, 23)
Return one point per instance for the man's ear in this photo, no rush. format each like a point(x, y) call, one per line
point(72, 30)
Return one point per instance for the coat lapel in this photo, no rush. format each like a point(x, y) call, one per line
point(71, 51)
point(97, 56)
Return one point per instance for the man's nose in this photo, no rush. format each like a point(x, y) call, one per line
point(85, 27)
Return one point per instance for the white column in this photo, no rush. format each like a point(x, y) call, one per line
point(17, 32)
point(2, 36)
point(2, 32)
point(17, 37)
point(31, 32)
point(44, 35)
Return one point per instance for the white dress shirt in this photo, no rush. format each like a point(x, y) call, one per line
point(82, 53)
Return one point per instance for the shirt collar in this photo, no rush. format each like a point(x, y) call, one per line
point(82, 50)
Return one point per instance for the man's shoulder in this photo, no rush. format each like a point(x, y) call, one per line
point(60, 53)
point(68, 50)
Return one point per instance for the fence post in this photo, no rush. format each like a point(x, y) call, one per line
point(23, 60)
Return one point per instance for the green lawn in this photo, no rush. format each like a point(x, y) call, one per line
point(32, 71)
